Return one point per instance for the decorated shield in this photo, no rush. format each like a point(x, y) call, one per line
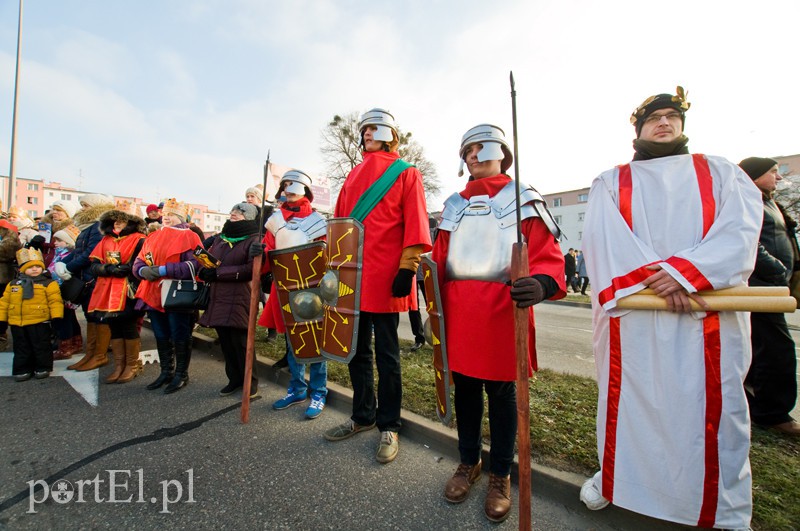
point(341, 288)
point(434, 334)
point(297, 272)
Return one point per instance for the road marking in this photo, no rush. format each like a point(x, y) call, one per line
point(84, 382)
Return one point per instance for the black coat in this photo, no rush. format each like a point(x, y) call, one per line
point(775, 258)
point(569, 265)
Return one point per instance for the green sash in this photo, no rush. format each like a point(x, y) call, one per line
point(375, 193)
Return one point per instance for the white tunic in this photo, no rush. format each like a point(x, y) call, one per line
point(673, 429)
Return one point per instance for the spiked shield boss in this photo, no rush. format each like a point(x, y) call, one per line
point(297, 272)
point(341, 288)
point(434, 334)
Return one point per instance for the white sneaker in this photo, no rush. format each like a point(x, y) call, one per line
point(591, 496)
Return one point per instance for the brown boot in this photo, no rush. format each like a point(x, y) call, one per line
point(133, 366)
point(100, 354)
point(62, 352)
point(458, 486)
point(498, 499)
point(91, 341)
point(75, 345)
point(118, 349)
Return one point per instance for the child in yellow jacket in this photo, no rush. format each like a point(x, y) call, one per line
point(28, 304)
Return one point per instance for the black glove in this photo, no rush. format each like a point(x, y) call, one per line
point(526, 292)
point(98, 269)
point(401, 286)
point(37, 242)
point(120, 271)
point(256, 249)
point(208, 274)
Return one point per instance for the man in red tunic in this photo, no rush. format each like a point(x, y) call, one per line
point(395, 234)
point(473, 257)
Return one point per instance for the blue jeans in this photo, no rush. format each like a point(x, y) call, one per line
point(317, 372)
point(172, 326)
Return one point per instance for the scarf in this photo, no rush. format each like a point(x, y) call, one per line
point(486, 186)
point(235, 231)
point(646, 150)
point(27, 284)
point(298, 209)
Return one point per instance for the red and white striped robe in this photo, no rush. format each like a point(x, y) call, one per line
point(673, 429)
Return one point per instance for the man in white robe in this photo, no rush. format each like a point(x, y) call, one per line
point(673, 432)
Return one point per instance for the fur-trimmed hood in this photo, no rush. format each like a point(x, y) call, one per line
point(56, 225)
point(87, 216)
point(107, 219)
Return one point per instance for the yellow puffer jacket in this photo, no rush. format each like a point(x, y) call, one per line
point(45, 304)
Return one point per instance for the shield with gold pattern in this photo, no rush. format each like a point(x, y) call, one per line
point(341, 288)
point(297, 272)
point(434, 334)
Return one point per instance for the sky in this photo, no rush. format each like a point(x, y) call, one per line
point(184, 99)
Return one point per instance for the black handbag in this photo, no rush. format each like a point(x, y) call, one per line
point(75, 290)
point(184, 295)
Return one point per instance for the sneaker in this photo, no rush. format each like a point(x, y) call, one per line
point(229, 389)
point(40, 375)
point(315, 408)
point(346, 430)
point(254, 392)
point(591, 496)
point(418, 345)
point(23, 377)
point(387, 449)
point(290, 399)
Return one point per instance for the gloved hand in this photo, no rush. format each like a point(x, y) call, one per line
point(256, 249)
point(401, 286)
point(37, 242)
point(526, 292)
point(119, 270)
point(98, 269)
point(61, 270)
point(149, 273)
point(208, 274)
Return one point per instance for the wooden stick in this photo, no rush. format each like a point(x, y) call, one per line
point(717, 303)
point(520, 269)
point(742, 291)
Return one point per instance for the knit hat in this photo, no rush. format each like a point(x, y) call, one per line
point(249, 211)
point(28, 258)
point(755, 167)
point(256, 191)
point(19, 212)
point(68, 207)
point(68, 235)
point(661, 101)
point(173, 206)
point(93, 200)
point(151, 208)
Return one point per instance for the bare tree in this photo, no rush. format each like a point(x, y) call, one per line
point(341, 152)
point(789, 195)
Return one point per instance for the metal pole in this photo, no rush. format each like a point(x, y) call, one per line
point(12, 180)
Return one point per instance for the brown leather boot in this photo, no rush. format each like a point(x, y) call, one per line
point(118, 350)
point(100, 354)
point(498, 499)
point(74, 345)
point(91, 340)
point(62, 352)
point(132, 364)
point(458, 486)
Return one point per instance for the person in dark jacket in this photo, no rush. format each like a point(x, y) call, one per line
point(771, 383)
point(229, 306)
point(570, 270)
point(78, 264)
point(9, 245)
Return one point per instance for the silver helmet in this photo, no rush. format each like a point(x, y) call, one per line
point(494, 147)
point(295, 182)
point(382, 120)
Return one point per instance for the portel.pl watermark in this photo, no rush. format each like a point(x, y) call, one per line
point(113, 489)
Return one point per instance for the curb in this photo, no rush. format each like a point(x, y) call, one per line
point(557, 485)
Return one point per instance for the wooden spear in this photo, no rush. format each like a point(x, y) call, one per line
point(520, 269)
point(255, 296)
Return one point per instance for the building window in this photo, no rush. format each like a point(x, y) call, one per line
point(33, 187)
point(66, 197)
point(33, 200)
point(580, 236)
point(558, 219)
point(557, 202)
point(580, 216)
point(583, 198)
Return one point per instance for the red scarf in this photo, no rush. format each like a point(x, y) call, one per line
point(297, 209)
point(486, 186)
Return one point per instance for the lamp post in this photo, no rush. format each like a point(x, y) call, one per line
point(12, 180)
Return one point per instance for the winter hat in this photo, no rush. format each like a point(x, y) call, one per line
point(173, 206)
point(68, 235)
point(151, 208)
point(249, 211)
point(4, 223)
point(68, 207)
point(92, 200)
point(661, 101)
point(256, 191)
point(755, 167)
point(28, 258)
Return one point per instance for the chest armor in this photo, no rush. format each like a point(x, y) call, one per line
point(483, 232)
point(296, 231)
